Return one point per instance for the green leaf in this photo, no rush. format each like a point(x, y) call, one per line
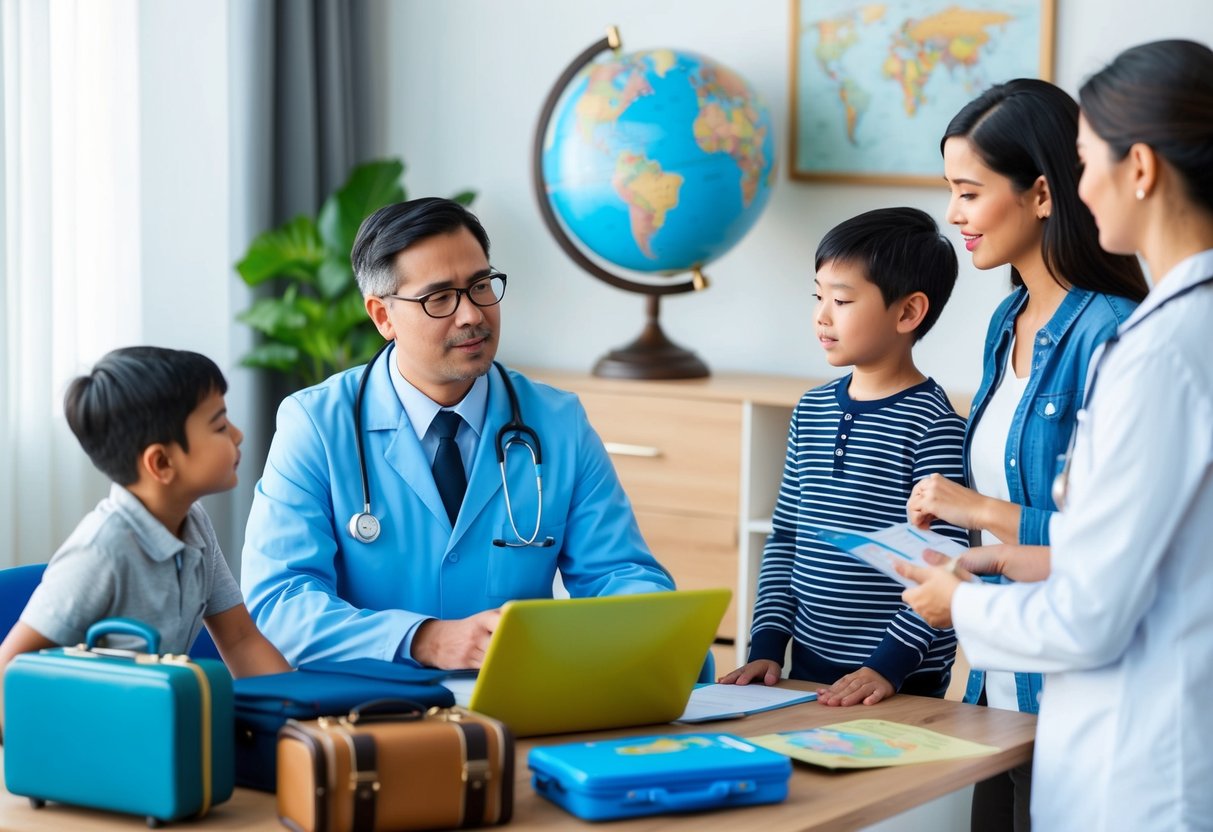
point(334, 277)
point(464, 198)
point(271, 356)
point(349, 312)
point(276, 317)
point(369, 187)
point(294, 250)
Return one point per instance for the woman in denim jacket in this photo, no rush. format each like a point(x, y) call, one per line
point(1011, 163)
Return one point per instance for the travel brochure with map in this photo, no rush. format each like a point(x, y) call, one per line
point(874, 84)
point(869, 743)
point(882, 548)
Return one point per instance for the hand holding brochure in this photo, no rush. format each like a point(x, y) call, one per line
point(882, 548)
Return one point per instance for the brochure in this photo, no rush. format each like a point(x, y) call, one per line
point(882, 548)
point(869, 743)
point(711, 702)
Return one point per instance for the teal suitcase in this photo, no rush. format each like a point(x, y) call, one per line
point(119, 730)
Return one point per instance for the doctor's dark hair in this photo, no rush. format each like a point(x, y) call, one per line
point(901, 251)
point(393, 228)
point(136, 397)
point(1159, 94)
point(1025, 129)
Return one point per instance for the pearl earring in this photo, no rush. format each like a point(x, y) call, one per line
point(1140, 194)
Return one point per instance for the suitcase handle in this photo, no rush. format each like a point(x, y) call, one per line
point(123, 626)
point(386, 710)
point(709, 798)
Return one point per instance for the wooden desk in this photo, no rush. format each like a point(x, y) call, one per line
point(818, 799)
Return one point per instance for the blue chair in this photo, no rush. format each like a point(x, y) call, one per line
point(204, 646)
point(707, 673)
point(16, 586)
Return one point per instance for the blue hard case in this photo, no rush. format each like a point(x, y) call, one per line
point(117, 729)
point(653, 775)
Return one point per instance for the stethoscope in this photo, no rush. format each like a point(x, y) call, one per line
point(364, 526)
point(1061, 483)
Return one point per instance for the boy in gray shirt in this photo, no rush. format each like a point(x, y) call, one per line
point(154, 421)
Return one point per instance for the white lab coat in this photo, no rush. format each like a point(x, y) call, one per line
point(1123, 627)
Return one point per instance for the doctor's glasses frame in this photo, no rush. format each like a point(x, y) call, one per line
point(443, 303)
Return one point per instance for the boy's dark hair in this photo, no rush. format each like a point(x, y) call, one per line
point(1025, 129)
point(136, 397)
point(393, 228)
point(901, 251)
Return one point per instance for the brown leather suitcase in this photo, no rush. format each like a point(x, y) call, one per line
point(388, 766)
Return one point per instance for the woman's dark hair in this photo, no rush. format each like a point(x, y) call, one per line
point(1159, 94)
point(1025, 129)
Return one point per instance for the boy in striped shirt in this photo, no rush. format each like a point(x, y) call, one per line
point(856, 447)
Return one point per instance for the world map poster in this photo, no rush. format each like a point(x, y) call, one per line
point(874, 85)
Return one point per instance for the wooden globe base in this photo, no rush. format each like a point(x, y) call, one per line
point(652, 355)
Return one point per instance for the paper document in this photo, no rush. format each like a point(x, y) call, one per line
point(461, 687)
point(710, 702)
point(869, 743)
point(882, 548)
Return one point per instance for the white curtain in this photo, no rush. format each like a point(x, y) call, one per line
point(69, 244)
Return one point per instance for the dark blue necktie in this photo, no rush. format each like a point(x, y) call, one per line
point(448, 464)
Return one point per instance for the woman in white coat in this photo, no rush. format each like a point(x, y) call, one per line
point(1119, 610)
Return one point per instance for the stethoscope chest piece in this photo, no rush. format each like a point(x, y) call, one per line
point(364, 527)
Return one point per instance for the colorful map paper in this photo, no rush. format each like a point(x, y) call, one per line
point(869, 743)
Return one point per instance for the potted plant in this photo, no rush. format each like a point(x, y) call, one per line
point(317, 324)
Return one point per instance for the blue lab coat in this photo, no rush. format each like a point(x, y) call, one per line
point(317, 593)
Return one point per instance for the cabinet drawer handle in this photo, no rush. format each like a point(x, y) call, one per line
point(623, 449)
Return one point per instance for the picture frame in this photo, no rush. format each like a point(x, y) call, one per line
point(873, 86)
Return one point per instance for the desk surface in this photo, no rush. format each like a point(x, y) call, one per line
point(817, 798)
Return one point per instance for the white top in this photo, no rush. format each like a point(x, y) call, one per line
point(1124, 624)
point(987, 459)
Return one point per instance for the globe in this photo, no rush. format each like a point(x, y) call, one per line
point(658, 161)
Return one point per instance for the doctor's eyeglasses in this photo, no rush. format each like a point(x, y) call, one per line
point(487, 291)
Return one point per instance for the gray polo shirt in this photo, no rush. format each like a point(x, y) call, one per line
point(122, 561)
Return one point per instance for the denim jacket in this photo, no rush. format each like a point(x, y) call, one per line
point(1042, 423)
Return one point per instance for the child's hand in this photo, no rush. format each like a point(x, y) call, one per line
point(864, 685)
point(765, 670)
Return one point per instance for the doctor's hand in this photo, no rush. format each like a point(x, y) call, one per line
point(938, 498)
point(760, 670)
point(457, 644)
point(932, 598)
point(864, 685)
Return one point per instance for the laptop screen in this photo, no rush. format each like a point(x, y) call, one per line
point(579, 664)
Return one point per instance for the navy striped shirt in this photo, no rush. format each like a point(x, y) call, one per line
point(851, 465)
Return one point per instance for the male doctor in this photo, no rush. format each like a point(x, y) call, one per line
point(419, 574)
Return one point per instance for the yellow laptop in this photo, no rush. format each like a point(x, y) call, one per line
point(581, 664)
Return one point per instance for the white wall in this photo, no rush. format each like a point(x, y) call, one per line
point(192, 199)
point(465, 81)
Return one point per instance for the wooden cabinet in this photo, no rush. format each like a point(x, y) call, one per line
point(700, 460)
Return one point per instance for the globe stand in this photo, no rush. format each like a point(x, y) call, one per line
point(652, 355)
